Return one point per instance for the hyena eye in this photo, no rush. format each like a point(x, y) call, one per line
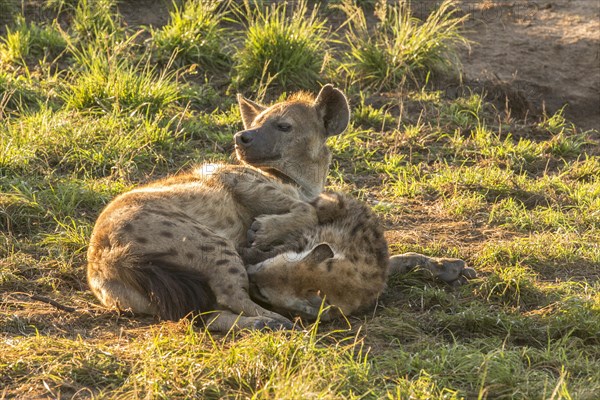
point(284, 127)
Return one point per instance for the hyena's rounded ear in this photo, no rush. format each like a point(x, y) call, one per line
point(333, 107)
point(318, 254)
point(249, 110)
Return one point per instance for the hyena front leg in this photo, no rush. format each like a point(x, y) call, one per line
point(223, 321)
point(450, 270)
point(279, 211)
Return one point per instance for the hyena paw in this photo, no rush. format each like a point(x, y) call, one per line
point(454, 271)
point(268, 324)
point(264, 233)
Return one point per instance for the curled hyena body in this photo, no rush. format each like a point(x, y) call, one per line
point(171, 247)
point(343, 261)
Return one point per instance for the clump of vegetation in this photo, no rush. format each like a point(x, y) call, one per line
point(27, 40)
point(399, 45)
point(368, 116)
point(110, 82)
point(94, 19)
point(282, 46)
point(16, 93)
point(195, 35)
point(566, 141)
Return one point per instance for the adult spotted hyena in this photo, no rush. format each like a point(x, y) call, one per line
point(171, 247)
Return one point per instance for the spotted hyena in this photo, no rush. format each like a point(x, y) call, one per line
point(173, 247)
point(343, 261)
point(170, 248)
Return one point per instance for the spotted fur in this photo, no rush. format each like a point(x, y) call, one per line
point(170, 248)
point(342, 261)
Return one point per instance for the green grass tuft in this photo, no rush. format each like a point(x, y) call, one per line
point(195, 35)
point(368, 116)
point(28, 41)
point(285, 46)
point(86, 144)
point(110, 83)
point(399, 45)
point(96, 19)
point(18, 94)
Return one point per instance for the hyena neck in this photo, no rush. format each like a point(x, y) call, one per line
point(310, 183)
point(311, 177)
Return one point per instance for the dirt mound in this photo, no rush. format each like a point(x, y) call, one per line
point(547, 51)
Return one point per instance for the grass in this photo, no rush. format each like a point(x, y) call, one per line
point(30, 41)
point(282, 46)
point(95, 115)
point(195, 35)
point(95, 19)
point(399, 45)
point(110, 83)
point(17, 93)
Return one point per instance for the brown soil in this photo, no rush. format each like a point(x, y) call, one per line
point(542, 55)
point(549, 51)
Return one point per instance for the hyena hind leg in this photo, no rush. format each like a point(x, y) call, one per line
point(449, 270)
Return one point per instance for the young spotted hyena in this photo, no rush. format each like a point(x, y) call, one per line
point(343, 261)
point(171, 247)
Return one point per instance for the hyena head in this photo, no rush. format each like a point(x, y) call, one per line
point(288, 138)
point(300, 283)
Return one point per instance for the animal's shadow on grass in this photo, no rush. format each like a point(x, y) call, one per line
point(30, 315)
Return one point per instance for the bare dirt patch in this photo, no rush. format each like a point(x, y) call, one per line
point(549, 51)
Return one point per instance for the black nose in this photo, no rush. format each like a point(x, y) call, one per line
point(245, 138)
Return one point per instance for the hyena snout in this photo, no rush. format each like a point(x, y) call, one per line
point(244, 139)
point(255, 146)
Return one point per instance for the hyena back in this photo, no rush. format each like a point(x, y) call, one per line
point(171, 248)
